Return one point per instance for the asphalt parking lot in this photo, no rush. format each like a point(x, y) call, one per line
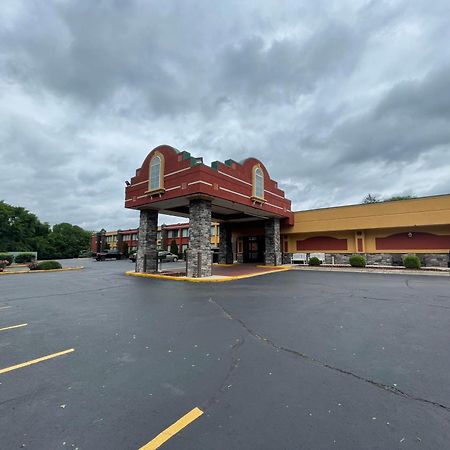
point(291, 360)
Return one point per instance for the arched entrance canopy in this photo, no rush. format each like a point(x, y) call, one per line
point(230, 186)
point(176, 183)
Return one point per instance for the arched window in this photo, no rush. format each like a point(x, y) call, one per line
point(258, 182)
point(156, 173)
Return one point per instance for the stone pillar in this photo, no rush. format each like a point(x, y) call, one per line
point(147, 253)
point(272, 255)
point(225, 246)
point(100, 241)
point(199, 255)
point(164, 234)
point(119, 242)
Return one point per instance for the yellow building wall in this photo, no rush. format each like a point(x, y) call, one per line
point(371, 221)
point(368, 238)
point(404, 213)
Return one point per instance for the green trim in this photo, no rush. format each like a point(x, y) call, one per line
point(196, 161)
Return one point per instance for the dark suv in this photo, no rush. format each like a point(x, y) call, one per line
point(108, 254)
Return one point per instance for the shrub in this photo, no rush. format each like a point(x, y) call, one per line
point(314, 261)
point(174, 247)
point(45, 265)
point(3, 264)
point(22, 258)
point(7, 257)
point(411, 262)
point(357, 261)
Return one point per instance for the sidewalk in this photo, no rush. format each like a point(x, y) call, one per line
point(436, 271)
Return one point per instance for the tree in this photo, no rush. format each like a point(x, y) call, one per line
point(125, 248)
point(370, 198)
point(20, 230)
point(174, 247)
point(69, 240)
point(395, 198)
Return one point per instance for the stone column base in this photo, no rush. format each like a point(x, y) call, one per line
point(199, 254)
point(199, 263)
point(146, 258)
point(272, 255)
point(225, 246)
point(273, 259)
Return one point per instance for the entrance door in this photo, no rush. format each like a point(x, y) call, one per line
point(253, 249)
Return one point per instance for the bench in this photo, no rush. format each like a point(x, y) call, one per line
point(299, 258)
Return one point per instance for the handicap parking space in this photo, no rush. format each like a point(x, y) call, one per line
point(288, 360)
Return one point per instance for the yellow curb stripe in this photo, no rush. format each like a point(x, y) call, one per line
point(21, 272)
point(13, 326)
point(204, 280)
point(171, 431)
point(35, 361)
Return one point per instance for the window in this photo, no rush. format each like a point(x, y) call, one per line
point(185, 232)
point(156, 173)
point(258, 184)
point(184, 247)
point(213, 230)
point(172, 234)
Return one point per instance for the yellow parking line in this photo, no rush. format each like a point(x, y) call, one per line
point(35, 361)
point(173, 429)
point(13, 326)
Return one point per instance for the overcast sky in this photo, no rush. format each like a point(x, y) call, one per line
point(337, 98)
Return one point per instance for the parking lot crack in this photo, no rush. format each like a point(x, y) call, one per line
point(225, 385)
point(385, 387)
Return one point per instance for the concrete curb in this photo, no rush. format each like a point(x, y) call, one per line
point(378, 271)
point(203, 280)
point(23, 272)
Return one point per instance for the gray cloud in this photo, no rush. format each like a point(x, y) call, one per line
point(337, 98)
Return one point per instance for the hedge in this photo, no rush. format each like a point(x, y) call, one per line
point(357, 261)
point(411, 262)
point(22, 258)
point(314, 261)
point(7, 257)
point(45, 265)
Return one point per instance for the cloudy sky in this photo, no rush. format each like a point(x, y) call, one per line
point(337, 98)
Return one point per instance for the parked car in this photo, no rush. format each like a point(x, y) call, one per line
point(162, 256)
point(108, 254)
point(167, 256)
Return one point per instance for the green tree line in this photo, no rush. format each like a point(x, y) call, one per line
point(22, 231)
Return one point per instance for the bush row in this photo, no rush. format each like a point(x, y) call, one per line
point(45, 265)
point(21, 258)
point(409, 261)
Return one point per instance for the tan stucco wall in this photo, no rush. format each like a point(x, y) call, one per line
point(405, 213)
point(428, 215)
